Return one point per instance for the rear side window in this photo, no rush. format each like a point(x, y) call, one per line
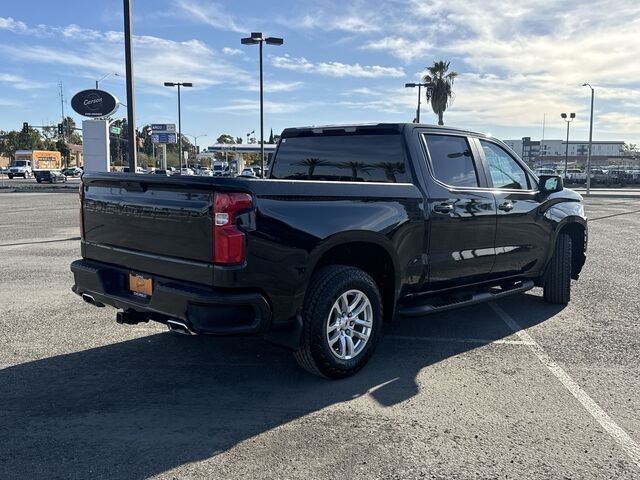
point(347, 158)
point(452, 161)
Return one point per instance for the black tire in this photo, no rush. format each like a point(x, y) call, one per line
point(557, 278)
point(10, 176)
point(315, 354)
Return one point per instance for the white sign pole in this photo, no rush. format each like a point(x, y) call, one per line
point(95, 145)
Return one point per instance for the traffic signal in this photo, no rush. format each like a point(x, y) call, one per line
point(25, 127)
point(60, 129)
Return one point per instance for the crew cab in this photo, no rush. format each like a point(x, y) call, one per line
point(355, 225)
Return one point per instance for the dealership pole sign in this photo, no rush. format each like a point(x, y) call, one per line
point(94, 103)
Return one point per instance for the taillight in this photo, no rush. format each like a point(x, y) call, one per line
point(228, 241)
point(81, 194)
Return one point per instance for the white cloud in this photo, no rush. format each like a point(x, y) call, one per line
point(156, 59)
point(251, 106)
point(272, 86)
point(212, 14)
point(8, 23)
point(232, 51)
point(405, 49)
point(20, 83)
point(335, 69)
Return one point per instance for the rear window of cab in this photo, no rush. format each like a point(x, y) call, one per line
point(347, 158)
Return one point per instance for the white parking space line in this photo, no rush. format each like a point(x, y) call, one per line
point(617, 433)
point(458, 340)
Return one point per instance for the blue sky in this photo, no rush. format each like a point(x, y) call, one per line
point(342, 61)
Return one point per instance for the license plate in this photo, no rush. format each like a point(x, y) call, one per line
point(139, 285)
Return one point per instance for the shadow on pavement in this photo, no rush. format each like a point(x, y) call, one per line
point(141, 407)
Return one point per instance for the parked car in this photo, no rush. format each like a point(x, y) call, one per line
point(248, 172)
point(161, 171)
point(72, 171)
point(391, 220)
point(206, 172)
point(574, 175)
point(545, 171)
point(186, 171)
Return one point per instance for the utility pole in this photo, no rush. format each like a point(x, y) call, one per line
point(131, 111)
point(62, 112)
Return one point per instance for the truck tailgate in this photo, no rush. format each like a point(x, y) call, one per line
point(149, 225)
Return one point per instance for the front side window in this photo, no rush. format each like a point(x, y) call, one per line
point(451, 160)
point(347, 158)
point(505, 172)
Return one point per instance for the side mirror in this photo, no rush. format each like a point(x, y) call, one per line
point(550, 183)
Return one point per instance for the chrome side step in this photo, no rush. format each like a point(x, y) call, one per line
point(425, 309)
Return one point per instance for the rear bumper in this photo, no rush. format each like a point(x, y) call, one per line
point(203, 310)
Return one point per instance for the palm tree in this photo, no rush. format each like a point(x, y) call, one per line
point(391, 169)
point(440, 94)
point(355, 167)
point(311, 163)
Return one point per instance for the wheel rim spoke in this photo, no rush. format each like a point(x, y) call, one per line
point(342, 346)
point(360, 335)
point(349, 324)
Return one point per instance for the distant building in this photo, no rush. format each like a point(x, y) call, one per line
point(551, 151)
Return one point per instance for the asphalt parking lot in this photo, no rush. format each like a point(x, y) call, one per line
point(462, 394)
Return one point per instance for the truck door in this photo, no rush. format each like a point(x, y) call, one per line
point(522, 234)
point(462, 212)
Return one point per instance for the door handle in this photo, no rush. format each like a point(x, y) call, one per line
point(506, 206)
point(443, 208)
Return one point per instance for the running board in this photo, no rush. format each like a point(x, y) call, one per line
point(425, 309)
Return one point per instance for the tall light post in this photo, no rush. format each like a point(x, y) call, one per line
point(588, 169)
point(179, 84)
point(566, 155)
point(419, 85)
point(259, 38)
point(103, 77)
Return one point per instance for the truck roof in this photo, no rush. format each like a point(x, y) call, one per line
point(380, 127)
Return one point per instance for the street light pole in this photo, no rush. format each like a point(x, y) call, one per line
point(179, 84)
point(588, 169)
point(566, 155)
point(419, 85)
point(259, 38)
point(103, 77)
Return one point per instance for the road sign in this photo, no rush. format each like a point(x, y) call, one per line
point(163, 128)
point(116, 130)
point(163, 137)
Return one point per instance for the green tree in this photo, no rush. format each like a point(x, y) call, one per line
point(226, 138)
point(271, 138)
point(14, 140)
point(63, 148)
point(440, 95)
point(70, 133)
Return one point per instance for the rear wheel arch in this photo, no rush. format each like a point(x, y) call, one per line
point(369, 256)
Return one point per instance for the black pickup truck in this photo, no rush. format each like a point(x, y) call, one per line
point(355, 226)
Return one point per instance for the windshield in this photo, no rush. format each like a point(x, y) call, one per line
point(19, 163)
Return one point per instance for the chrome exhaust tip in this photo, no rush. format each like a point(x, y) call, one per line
point(91, 301)
point(179, 327)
